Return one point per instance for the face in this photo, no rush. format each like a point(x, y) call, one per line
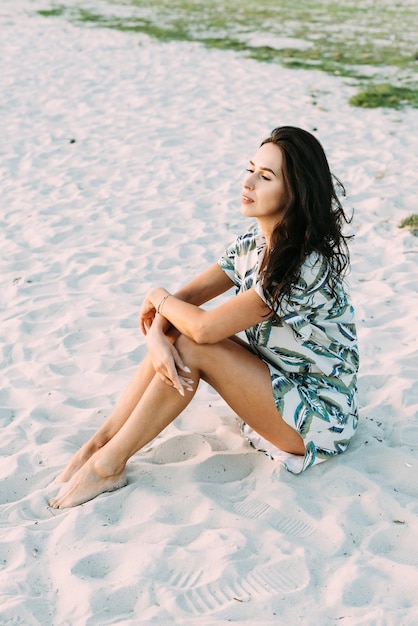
point(263, 191)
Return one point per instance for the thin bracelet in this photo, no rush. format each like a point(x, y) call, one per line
point(160, 306)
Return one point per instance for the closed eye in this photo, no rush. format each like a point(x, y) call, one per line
point(261, 175)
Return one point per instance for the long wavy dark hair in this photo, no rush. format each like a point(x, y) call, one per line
point(312, 217)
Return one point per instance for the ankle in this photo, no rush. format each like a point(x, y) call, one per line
point(105, 467)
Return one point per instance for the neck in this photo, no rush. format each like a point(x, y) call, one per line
point(267, 231)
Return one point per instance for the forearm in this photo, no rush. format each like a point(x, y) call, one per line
point(185, 316)
point(207, 326)
point(183, 311)
point(186, 294)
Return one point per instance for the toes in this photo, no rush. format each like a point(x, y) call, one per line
point(83, 488)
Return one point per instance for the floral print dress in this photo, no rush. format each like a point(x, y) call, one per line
point(311, 350)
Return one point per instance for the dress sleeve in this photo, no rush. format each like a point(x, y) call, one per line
point(227, 262)
point(241, 259)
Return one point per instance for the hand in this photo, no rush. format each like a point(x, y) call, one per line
point(168, 363)
point(147, 313)
point(148, 309)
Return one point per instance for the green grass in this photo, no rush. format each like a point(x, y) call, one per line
point(52, 12)
point(365, 40)
point(385, 95)
point(410, 222)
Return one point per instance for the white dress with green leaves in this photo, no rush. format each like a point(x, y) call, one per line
point(311, 350)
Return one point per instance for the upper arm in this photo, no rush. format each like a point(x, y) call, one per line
point(206, 286)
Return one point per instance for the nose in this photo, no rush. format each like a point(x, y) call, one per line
point(248, 181)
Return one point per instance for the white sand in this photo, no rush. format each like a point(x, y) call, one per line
point(208, 531)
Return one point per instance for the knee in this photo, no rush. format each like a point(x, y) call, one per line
point(185, 346)
point(190, 351)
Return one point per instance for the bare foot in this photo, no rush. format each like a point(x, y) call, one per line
point(78, 460)
point(73, 466)
point(86, 484)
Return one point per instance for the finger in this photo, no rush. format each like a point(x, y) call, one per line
point(187, 382)
point(183, 379)
point(179, 362)
point(177, 383)
point(173, 381)
point(166, 380)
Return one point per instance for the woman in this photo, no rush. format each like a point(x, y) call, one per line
point(294, 382)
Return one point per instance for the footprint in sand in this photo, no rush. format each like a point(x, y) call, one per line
point(287, 525)
point(397, 543)
point(94, 565)
point(284, 577)
point(180, 449)
point(223, 468)
point(346, 483)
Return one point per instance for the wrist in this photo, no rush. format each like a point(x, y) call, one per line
point(161, 303)
point(158, 296)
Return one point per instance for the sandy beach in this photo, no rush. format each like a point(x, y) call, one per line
point(121, 166)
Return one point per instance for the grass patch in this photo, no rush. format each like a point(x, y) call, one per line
point(385, 95)
point(55, 12)
point(360, 39)
point(411, 223)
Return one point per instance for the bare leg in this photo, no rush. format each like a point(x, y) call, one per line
point(123, 409)
point(126, 404)
point(244, 382)
point(239, 376)
point(105, 469)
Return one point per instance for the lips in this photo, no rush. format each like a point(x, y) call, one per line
point(246, 200)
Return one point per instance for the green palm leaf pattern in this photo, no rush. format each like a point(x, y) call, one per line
point(339, 309)
point(327, 292)
point(262, 334)
point(316, 348)
point(292, 359)
point(315, 405)
point(226, 264)
point(281, 384)
point(325, 453)
point(353, 358)
point(337, 414)
point(300, 287)
point(310, 456)
point(248, 279)
point(348, 331)
point(245, 244)
point(340, 369)
point(334, 384)
point(295, 320)
point(303, 418)
point(341, 445)
point(321, 279)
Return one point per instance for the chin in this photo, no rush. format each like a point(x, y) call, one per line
point(246, 211)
